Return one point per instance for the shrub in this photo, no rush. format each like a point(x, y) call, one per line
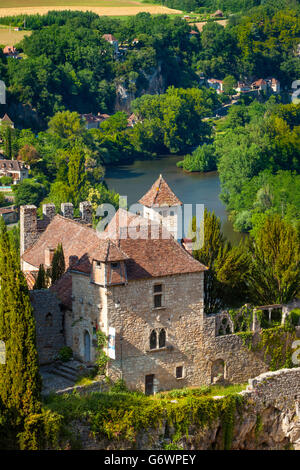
point(65, 354)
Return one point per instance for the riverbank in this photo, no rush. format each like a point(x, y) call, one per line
point(134, 180)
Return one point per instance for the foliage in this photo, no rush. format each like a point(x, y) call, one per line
point(65, 354)
point(225, 279)
point(294, 317)
point(174, 119)
point(102, 358)
point(58, 265)
point(275, 263)
point(277, 346)
point(202, 159)
point(29, 192)
point(42, 279)
point(122, 415)
point(26, 425)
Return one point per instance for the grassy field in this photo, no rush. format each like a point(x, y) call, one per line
point(101, 7)
point(9, 37)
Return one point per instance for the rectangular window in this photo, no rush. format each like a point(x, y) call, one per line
point(179, 372)
point(157, 301)
point(115, 265)
point(157, 295)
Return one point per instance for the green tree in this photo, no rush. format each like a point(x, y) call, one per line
point(29, 192)
point(225, 280)
point(275, 268)
point(20, 382)
point(41, 281)
point(66, 125)
point(58, 265)
point(76, 174)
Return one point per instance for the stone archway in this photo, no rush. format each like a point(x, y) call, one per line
point(218, 371)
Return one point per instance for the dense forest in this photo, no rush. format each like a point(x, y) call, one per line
point(70, 66)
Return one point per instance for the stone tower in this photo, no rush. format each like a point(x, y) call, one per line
point(160, 204)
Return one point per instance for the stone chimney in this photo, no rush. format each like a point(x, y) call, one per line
point(49, 253)
point(73, 260)
point(86, 214)
point(67, 210)
point(49, 211)
point(28, 227)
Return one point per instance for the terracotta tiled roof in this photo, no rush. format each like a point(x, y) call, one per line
point(259, 82)
point(160, 194)
point(30, 278)
point(144, 257)
point(6, 118)
point(77, 239)
point(149, 257)
point(6, 210)
point(109, 37)
point(10, 165)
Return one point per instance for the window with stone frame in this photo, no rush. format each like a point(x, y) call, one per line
point(179, 372)
point(153, 339)
point(158, 339)
point(157, 294)
point(162, 338)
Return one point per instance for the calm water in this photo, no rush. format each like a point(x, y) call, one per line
point(134, 181)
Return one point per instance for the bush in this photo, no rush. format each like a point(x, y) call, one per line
point(65, 354)
point(119, 386)
point(295, 317)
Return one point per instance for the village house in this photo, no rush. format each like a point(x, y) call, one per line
point(141, 287)
point(112, 40)
point(132, 120)
point(268, 84)
point(93, 121)
point(15, 169)
point(11, 51)
point(216, 84)
point(9, 215)
point(6, 120)
point(242, 87)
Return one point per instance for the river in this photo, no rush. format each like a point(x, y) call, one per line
point(134, 181)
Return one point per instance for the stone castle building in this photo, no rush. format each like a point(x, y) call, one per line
point(137, 284)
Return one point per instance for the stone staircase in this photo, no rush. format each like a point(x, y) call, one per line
point(68, 370)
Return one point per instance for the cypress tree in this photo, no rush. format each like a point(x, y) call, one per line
point(20, 382)
point(8, 142)
point(41, 281)
point(58, 265)
point(76, 174)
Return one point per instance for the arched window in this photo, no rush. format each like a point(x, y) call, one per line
point(153, 339)
point(162, 338)
point(49, 319)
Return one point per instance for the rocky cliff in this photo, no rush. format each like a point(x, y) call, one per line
point(267, 417)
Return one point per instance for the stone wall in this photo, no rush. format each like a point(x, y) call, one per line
point(49, 324)
point(191, 340)
point(131, 312)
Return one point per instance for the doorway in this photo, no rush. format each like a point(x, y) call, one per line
point(87, 347)
point(149, 384)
